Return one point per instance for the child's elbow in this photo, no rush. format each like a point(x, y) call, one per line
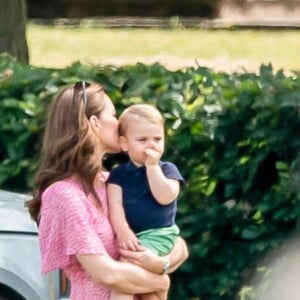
point(165, 200)
point(169, 196)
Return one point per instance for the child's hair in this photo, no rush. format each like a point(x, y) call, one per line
point(135, 112)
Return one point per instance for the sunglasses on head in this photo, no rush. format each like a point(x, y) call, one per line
point(80, 86)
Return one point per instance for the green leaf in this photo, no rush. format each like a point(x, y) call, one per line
point(211, 188)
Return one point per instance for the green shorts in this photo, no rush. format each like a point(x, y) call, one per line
point(160, 240)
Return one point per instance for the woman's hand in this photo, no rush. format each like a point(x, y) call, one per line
point(148, 260)
point(144, 258)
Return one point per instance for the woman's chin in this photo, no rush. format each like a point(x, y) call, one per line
point(114, 150)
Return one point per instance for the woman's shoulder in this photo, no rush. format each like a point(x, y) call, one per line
point(65, 188)
point(64, 184)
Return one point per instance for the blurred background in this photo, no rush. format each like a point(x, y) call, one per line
point(254, 9)
point(221, 34)
point(236, 132)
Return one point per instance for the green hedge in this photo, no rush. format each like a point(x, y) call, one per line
point(233, 136)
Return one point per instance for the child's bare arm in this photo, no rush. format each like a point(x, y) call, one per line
point(125, 236)
point(164, 190)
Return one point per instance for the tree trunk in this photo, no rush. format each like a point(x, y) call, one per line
point(13, 17)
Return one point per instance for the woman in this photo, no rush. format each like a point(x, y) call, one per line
point(70, 204)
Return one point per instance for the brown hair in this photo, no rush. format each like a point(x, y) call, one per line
point(131, 115)
point(69, 142)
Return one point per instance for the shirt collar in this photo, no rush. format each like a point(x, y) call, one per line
point(132, 167)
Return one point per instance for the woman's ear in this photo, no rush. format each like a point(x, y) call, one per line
point(123, 143)
point(95, 122)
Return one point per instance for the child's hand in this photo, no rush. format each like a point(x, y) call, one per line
point(153, 157)
point(127, 240)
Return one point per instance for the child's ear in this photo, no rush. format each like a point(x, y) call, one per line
point(123, 143)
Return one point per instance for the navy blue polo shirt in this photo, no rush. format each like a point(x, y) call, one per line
point(141, 208)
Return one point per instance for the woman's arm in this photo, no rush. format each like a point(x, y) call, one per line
point(122, 276)
point(156, 264)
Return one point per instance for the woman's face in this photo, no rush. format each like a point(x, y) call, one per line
point(109, 127)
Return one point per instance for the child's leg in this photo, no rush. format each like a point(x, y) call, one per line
point(153, 296)
point(114, 295)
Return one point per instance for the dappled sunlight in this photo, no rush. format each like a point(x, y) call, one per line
point(221, 50)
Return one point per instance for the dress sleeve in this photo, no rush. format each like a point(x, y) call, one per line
point(66, 226)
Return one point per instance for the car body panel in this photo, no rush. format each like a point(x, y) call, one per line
point(13, 214)
point(20, 261)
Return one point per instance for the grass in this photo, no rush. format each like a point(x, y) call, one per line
point(53, 46)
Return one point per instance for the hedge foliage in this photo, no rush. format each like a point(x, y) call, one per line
point(233, 136)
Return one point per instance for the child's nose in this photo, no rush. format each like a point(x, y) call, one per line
point(151, 144)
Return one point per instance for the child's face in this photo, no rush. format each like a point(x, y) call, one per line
point(141, 136)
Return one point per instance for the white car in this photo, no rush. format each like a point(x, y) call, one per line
point(20, 261)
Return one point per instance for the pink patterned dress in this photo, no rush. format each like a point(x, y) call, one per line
point(72, 224)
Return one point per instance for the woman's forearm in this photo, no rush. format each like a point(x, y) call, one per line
point(136, 280)
point(122, 276)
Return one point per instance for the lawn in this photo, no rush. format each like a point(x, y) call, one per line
point(57, 46)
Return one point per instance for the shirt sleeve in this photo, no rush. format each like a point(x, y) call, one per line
point(171, 171)
point(66, 226)
point(115, 176)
